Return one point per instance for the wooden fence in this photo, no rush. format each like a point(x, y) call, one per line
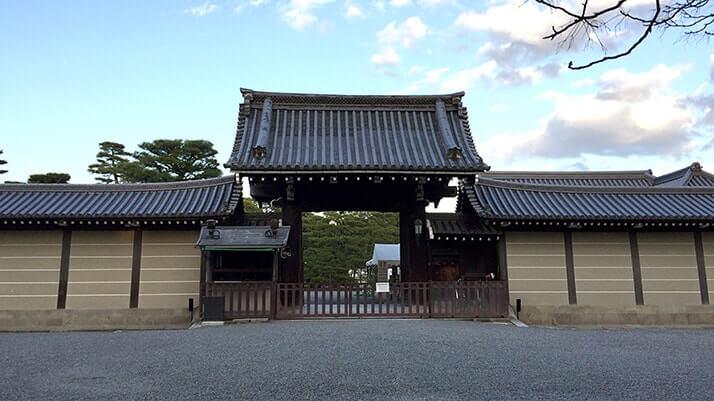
point(462, 299)
point(242, 299)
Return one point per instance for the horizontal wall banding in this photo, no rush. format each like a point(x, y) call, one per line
point(603, 268)
point(170, 269)
point(669, 268)
point(536, 268)
point(30, 269)
point(100, 270)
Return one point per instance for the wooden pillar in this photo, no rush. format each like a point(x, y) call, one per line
point(701, 267)
point(636, 269)
point(209, 266)
point(413, 252)
point(502, 259)
point(570, 268)
point(274, 286)
point(135, 269)
point(294, 266)
point(64, 269)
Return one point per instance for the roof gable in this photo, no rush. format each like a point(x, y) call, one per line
point(343, 133)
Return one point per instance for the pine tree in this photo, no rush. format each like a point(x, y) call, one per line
point(2, 162)
point(49, 178)
point(173, 160)
point(110, 162)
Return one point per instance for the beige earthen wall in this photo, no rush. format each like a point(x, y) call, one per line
point(708, 245)
point(669, 268)
point(100, 269)
point(170, 269)
point(29, 269)
point(603, 268)
point(536, 268)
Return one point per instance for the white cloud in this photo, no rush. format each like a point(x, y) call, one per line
point(298, 13)
point(387, 57)
point(498, 107)
point(353, 12)
point(711, 70)
point(513, 21)
point(629, 114)
point(253, 3)
point(434, 3)
point(415, 70)
point(204, 9)
point(407, 33)
point(468, 78)
point(400, 3)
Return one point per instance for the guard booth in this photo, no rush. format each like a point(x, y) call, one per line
point(239, 269)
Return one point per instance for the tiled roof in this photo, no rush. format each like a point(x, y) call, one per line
point(343, 133)
point(690, 176)
point(500, 200)
point(642, 178)
point(215, 197)
point(455, 224)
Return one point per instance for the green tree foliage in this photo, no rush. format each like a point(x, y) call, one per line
point(49, 178)
point(172, 160)
point(2, 162)
point(111, 161)
point(250, 205)
point(336, 242)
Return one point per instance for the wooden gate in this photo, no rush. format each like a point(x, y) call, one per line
point(459, 299)
point(469, 299)
point(419, 299)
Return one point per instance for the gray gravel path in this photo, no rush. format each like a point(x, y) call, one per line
point(360, 360)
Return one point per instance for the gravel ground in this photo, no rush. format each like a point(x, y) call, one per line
point(360, 360)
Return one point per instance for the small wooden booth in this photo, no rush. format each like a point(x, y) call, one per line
point(240, 268)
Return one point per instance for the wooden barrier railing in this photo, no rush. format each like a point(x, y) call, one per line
point(242, 299)
point(418, 299)
point(469, 299)
point(465, 299)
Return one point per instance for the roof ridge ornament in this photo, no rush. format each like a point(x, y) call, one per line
point(260, 150)
point(453, 151)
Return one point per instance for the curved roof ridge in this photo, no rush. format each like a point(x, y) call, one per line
point(570, 173)
point(144, 186)
point(280, 95)
point(589, 188)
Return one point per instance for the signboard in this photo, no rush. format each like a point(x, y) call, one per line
point(382, 287)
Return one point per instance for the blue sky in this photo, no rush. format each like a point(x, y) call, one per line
point(73, 74)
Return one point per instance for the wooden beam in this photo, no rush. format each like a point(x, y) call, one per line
point(64, 269)
point(293, 271)
point(636, 268)
point(502, 259)
point(570, 268)
point(701, 267)
point(135, 269)
point(274, 287)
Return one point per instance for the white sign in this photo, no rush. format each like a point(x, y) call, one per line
point(382, 287)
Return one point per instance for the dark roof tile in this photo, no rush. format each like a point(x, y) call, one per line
point(309, 132)
point(501, 200)
point(215, 197)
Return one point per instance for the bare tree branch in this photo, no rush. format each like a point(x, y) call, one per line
point(692, 17)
